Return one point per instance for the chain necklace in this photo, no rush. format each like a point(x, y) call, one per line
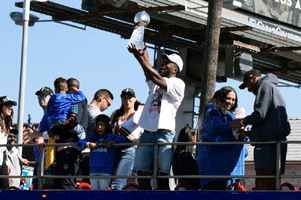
point(126, 117)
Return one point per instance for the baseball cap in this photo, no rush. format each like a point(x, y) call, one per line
point(44, 90)
point(175, 58)
point(247, 76)
point(7, 100)
point(128, 90)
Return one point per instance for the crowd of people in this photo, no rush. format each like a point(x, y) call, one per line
point(90, 134)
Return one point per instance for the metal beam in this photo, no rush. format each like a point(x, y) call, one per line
point(281, 49)
point(118, 12)
point(190, 32)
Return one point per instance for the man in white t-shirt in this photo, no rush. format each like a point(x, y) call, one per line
point(158, 116)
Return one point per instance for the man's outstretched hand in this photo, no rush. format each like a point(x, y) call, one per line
point(133, 49)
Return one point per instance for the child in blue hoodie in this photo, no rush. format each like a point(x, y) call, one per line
point(57, 111)
point(102, 152)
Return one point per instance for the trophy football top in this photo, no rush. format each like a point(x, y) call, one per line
point(142, 17)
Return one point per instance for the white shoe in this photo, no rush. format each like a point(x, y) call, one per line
point(86, 152)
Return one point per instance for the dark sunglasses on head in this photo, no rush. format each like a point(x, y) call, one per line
point(42, 96)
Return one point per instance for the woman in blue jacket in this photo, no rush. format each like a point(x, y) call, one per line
point(102, 152)
point(220, 159)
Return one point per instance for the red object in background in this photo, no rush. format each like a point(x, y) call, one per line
point(39, 140)
point(237, 186)
point(84, 186)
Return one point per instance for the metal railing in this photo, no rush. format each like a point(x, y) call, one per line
point(155, 175)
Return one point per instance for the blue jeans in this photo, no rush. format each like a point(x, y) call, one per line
point(101, 183)
point(125, 162)
point(144, 159)
point(80, 131)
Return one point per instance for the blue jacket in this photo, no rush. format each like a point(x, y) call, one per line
point(219, 159)
point(44, 124)
point(59, 104)
point(102, 159)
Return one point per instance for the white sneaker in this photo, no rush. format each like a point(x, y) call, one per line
point(86, 152)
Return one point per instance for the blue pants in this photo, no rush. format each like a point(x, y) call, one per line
point(144, 159)
point(101, 183)
point(124, 165)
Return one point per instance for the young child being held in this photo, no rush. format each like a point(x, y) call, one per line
point(58, 107)
point(102, 152)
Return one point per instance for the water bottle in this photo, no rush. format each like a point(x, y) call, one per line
point(30, 124)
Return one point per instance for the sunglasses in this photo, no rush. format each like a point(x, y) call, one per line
point(109, 104)
point(12, 136)
point(42, 96)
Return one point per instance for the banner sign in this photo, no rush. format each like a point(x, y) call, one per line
point(274, 28)
point(287, 11)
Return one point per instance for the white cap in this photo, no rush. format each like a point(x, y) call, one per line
point(175, 58)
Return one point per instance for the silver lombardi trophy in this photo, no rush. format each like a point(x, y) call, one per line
point(142, 19)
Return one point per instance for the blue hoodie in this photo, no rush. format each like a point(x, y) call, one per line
point(219, 159)
point(59, 105)
point(44, 124)
point(102, 159)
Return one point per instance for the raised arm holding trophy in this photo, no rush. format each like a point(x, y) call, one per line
point(142, 19)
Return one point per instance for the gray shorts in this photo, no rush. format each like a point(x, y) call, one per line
point(265, 157)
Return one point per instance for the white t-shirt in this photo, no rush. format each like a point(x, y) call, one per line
point(14, 161)
point(93, 112)
point(3, 140)
point(161, 106)
point(132, 124)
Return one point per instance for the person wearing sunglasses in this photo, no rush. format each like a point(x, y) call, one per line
point(40, 134)
point(101, 101)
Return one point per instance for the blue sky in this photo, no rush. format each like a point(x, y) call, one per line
point(98, 59)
